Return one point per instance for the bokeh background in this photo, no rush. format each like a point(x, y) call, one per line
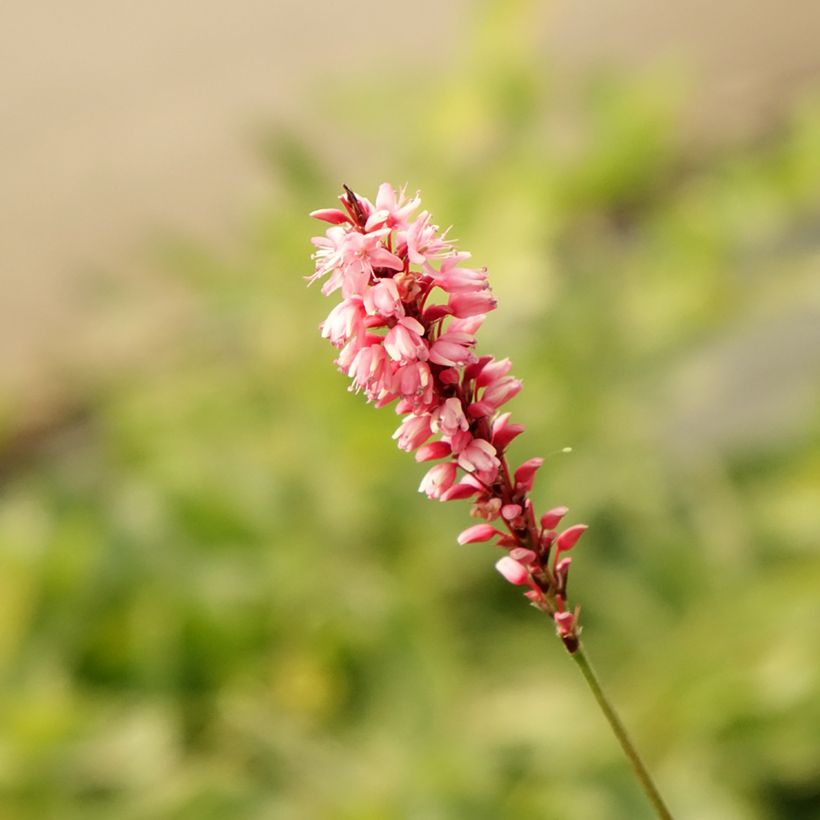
point(221, 595)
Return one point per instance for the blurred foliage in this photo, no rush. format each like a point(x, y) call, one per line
point(222, 597)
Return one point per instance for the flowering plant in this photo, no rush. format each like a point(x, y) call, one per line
point(400, 340)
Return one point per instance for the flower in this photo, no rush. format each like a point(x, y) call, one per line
point(397, 343)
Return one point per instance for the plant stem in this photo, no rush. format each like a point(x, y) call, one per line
point(620, 732)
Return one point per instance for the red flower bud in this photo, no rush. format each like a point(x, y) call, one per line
point(569, 537)
point(551, 518)
point(478, 532)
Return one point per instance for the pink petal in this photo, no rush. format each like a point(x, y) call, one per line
point(493, 372)
point(525, 474)
point(514, 572)
point(479, 532)
point(435, 312)
point(569, 537)
point(480, 408)
point(551, 518)
point(523, 555)
point(510, 511)
point(472, 371)
point(332, 215)
point(436, 449)
point(458, 492)
point(382, 258)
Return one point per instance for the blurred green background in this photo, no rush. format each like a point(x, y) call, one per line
point(222, 596)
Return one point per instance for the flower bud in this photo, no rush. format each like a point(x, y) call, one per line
point(569, 537)
point(476, 533)
point(432, 451)
point(525, 474)
point(514, 572)
point(551, 518)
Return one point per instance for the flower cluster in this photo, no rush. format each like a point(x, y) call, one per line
point(405, 330)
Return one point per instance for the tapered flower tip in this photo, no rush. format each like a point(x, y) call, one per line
point(478, 532)
point(551, 518)
point(469, 325)
point(514, 572)
point(503, 432)
point(569, 537)
point(332, 215)
point(459, 492)
point(525, 474)
point(436, 449)
point(472, 370)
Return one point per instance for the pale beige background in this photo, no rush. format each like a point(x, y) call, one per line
point(120, 118)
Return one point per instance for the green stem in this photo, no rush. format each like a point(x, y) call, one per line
point(623, 738)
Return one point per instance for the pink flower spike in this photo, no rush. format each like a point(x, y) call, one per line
point(432, 451)
point(525, 474)
point(551, 518)
point(476, 533)
point(514, 572)
point(332, 215)
point(569, 537)
point(405, 335)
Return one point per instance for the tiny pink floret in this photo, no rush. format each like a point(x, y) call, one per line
point(525, 474)
point(515, 572)
point(551, 518)
point(479, 532)
point(569, 537)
